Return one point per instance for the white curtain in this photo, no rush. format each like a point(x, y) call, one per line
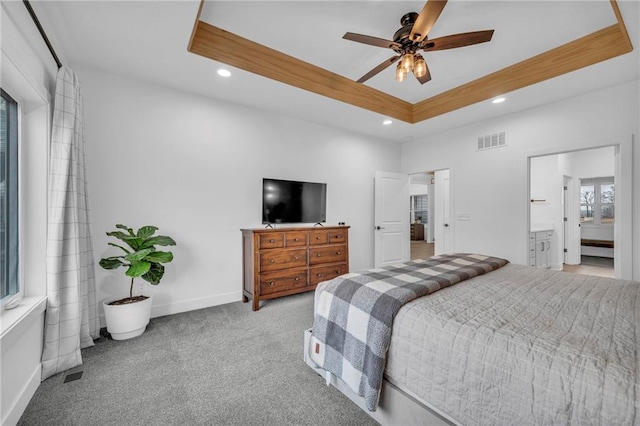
point(71, 319)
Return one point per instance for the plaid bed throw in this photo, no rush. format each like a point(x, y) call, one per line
point(354, 314)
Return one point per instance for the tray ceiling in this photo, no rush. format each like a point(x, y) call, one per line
point(301, 45)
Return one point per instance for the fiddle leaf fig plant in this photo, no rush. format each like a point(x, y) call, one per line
point(141, 258)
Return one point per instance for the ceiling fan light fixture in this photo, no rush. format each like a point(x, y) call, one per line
point(419, 66)
point(407, 62)
point(401, 74)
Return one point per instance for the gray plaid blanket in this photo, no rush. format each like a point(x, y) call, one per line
point(354, 314)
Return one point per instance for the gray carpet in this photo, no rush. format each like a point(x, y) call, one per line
point(224, 365)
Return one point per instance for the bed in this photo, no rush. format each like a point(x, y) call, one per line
point(516, 345)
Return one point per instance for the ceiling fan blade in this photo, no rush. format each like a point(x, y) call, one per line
point(458, 40)
point(425, 77)
point(379, 68)
point(371, 41)
point(427, 17)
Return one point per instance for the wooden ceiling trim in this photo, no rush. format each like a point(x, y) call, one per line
point(588, 50)
point(220, 45)
point(623, 28)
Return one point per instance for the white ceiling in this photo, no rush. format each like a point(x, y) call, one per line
point(148, 40)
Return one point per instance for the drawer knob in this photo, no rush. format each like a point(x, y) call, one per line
point(319, 275)
point(272, 241)
point(271, 283)
point(337, 252)
point(272, 261)
point(295, 258)
point(297, 278)
point(318, 255)
point(317, 238)
point(295, 239)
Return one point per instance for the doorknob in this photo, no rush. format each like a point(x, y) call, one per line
point(446, 225)
point(377, 228)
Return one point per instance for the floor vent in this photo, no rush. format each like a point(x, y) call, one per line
point(495, 140)
point(73, 374)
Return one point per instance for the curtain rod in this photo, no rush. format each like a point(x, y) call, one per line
point(42, 33)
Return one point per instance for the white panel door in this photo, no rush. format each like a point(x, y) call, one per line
point(391, 218)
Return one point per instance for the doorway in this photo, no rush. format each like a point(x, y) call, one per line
point(572, 197)
point(429, 214)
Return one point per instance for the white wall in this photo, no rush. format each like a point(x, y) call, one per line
point(194, 166)
point(28, 75)
point(492, 185)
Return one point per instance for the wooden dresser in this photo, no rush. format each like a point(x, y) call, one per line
point(417, 231)
point(280, 262)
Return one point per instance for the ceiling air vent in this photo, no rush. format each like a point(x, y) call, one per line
point(495, 140)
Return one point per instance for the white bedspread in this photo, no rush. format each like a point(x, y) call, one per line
point(523, 346)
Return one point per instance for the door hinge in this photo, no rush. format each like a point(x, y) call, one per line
point(566, 219)
point(566, 251)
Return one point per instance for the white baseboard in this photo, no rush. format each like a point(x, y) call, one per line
point(193, 304)
point(556, 266)
point(189, 305)
point(29, 389)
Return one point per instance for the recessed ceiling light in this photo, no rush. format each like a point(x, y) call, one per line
point(387, 122)
point(498, 100)
point(224, 73)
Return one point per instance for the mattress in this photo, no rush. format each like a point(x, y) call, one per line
point(523, 345)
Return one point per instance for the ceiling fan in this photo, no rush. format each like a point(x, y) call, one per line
point(412, 37)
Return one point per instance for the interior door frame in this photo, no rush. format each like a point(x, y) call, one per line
point(623, 204)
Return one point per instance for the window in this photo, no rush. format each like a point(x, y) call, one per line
point(9, 196)
point(419, 206)
point(597, 197)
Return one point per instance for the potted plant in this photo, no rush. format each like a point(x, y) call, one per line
point(128, 317)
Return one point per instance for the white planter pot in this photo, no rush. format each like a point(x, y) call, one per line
point(127, 321)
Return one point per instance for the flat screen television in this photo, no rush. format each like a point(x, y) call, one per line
point(286, 201)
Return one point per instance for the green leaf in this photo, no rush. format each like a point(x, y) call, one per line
point(159, 240)
point(138, 268)
point(119, 235)
point(126, 228)
point(111, 262)
point(139, 255)
point(120, 247)
point(159, 257)
point(134, 242)
point(155, 274)
point(146, 231)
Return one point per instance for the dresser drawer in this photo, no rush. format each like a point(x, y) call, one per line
point(274, 282)
point(318, 237)
point(271, 240)
point(318, 274)
point(295, 239)
point(272, 260)
point(327, 254)
point(338, 236)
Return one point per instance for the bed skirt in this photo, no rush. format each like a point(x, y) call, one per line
point(395, 406)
